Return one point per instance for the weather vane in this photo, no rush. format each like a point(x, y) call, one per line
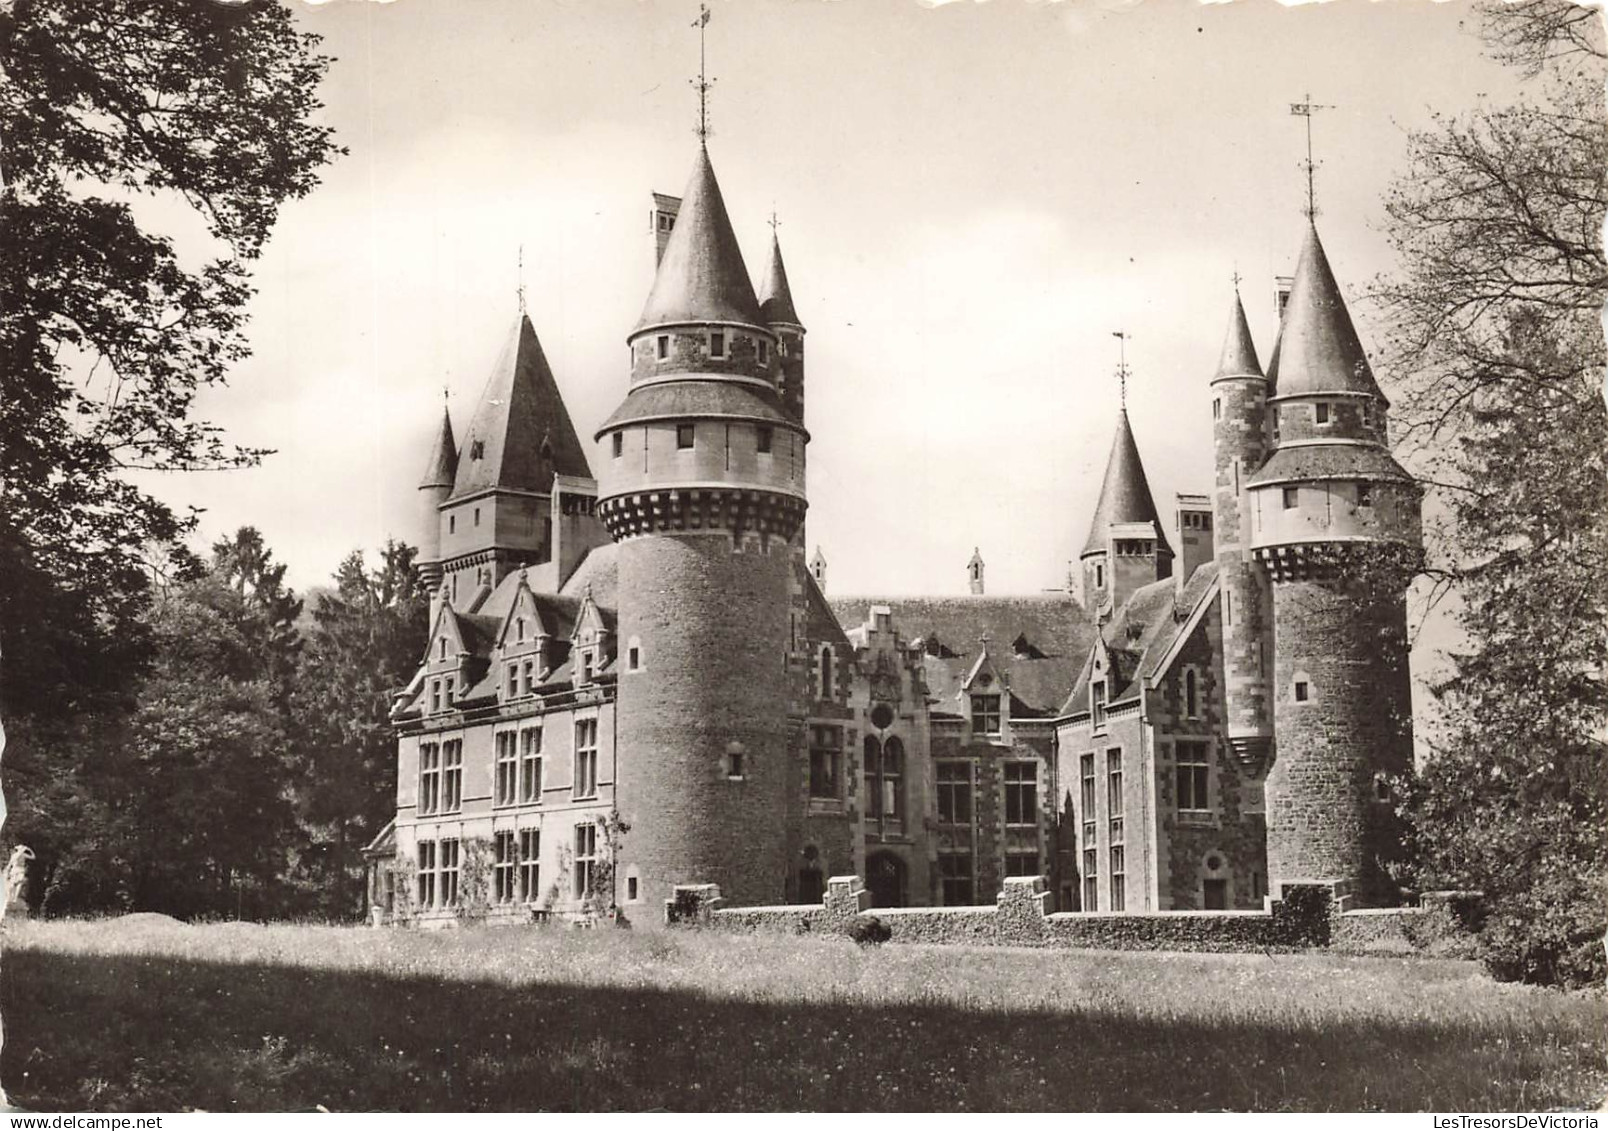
point(520, 289)
point(1305, 110)
point(1237, 277)
point(1122, 337)
point(774, 222)
point(704, 82)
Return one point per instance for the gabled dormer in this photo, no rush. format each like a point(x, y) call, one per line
point(524, 640)
point(445, 662)
point(592, 643)
point(985, 700)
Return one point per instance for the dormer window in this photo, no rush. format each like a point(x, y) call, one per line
point(1097, 704)
point(1323, 413)
point(765, 437)
point(985, 714)
point(661, 346)
point(717, 344)
point(477, 449)
point(441, 648)
point(587, 663)
point(684, 436)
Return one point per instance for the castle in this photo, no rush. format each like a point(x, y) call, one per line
point(635, 678)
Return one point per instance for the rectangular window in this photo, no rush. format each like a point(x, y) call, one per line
point(452, 683)
point(1086, 797)
point(985, 714)
point(507, 768)
point(1021, 863)
point(764, 352)
point(427, 863)
point(448, 871)
point(1367, 414)
point(1292, 498)
point(1323, 413)
point(451, 777)
point(955, 793)
point(765, 438)
point(503, 867)
point(662, 345)
point(1192, 773)
point(955, 878)
point(585, 859)
point(717, 344)
point(530, 677)
point(634, 658)
point(530, 865)
point(1365, 494)
point(1021, 794)
point(1114, 806)
point(1118, 895)
point(530, 766)
point(435, 695)
point(1301, 691)
point(618, 440)
point(513, 680)
point(684, 436)
point(825, 746)
point(1217, 409)
point(586, 758)
point(429, 778)
point(1091, 882)
point(1097, 704)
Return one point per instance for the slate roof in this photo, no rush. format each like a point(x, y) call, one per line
point(776, 297)
point(1054, 628)
point(519, 409)
point(1124, 492)
point(1303, 463)
point(442, 468)
point(1140, 635)
point(701, 276)
point(1239, 351)
point(1318, 349)
point(691, 397)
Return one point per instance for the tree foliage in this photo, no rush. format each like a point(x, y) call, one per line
point(1498, 224)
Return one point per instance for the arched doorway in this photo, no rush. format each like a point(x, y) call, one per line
point(885, 879)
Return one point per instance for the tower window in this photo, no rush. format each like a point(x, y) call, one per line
point(1303, 691)
point(1365, 494)
point(452, 524)
point(1099, 575)
point(477, 516)
point(634, 658)
point(717, 344)
point(684, 434)
point(1323, 413)
point(662, 346)
point(477, 450)
point(619, 444)
point(1217, 409)
point(1292, 497)
point(1367, 413)
point(764, 438)
point(764, 352)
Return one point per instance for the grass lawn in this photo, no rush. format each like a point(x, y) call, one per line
point(145, 1013)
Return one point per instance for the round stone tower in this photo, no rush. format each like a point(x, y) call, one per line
point(702, 487)
point(1240, 444)
point(1335, 523)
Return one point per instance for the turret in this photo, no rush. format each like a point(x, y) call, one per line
point(1240, 447)
point(1335, 524)
point(1125, 548)
point(974, 573)
point(702, 486)
point(776, 307)
point(433, 491)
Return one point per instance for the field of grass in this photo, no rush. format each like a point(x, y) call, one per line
point(145, 1013)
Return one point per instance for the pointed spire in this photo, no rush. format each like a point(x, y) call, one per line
point(701, 275)
point(443, 465)
point(776, 297)
point(1318, 350)
point(1239, 352)
point(521, 434)
point(1125, 492)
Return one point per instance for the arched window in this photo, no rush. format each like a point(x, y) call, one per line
point(893, 779)
point(873, 776)
point(826, 689)
point(1191, 694)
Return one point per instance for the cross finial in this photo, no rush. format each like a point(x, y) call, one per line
point(1305, 109)
point(520, 289)
point(774, 222)
point(703, 83)
point(1122, 337)
point(1237, 277)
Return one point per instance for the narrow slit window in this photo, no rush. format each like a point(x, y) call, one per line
point(662, 346)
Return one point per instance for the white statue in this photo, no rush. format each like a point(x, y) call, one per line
point(17, 877)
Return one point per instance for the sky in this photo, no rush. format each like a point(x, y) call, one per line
point(972, 198)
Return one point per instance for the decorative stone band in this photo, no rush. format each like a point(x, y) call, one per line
point(672, 510)
point(1319, 561)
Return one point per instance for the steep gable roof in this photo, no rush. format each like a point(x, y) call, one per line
point(701, 276)
point(1239, 351)
point(442, 467)
point(1318, 349)
point(1124, 492)
point(776, 298)
point(521, 414)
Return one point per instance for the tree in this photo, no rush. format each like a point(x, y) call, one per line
point(106, 331)
point(1498, 223)
point(366, 642)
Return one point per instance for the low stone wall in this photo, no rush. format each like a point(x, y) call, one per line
point(1308, 915)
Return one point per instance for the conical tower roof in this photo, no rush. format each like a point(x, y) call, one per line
point(443, 466)
point(1318, 349)
point(776, 299)
point(1125, 492)
point(701, 275)
point(1239, 352)
point(520, 412)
